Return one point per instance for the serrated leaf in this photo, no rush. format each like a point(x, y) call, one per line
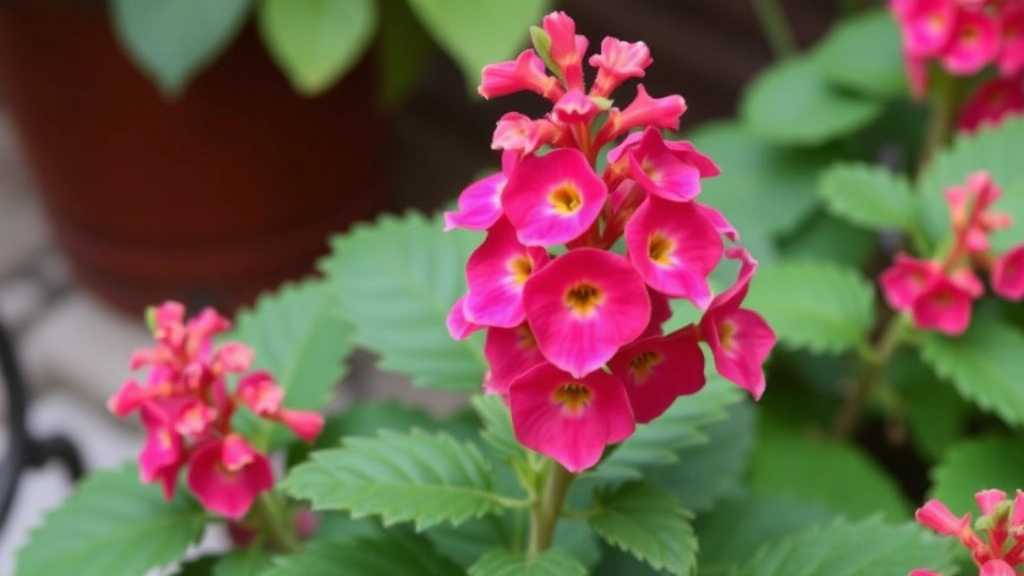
point(316, 42)
point(172, 40)
point(552, 562)
point(867, 196)
point(650, 524)
point(975, 465)
point(983, 364)
point(825, 237)
point(396, 552)
point(479, 33)
point(852, 549)
point(820, 306)
point(497, 430)
point(418, 477)
point(112, 526)
point(244, 562)
point(864, 53)
point(395, 281)
point(202, 566)
point(296, 335)
point(935, 414)
point(792, 103)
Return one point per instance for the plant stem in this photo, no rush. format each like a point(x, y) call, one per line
point(775, 26)
point(278, 529)
point(945, 103)
point(876, 360)
point(548, 508)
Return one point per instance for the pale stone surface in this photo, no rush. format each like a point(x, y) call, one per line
point(22, 299)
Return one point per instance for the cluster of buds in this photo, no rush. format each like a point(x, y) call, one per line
point(939, 293)
point(574, 322)
point(1001, 551)
point(186, 407)
point(965, 37)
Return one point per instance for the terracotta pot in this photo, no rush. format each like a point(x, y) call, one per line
point(210, 198)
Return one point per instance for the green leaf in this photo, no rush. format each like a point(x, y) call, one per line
point(426, 479)
point(299, 337)
point(852, 549)
point(825, 237)
point(396, 552)
point(648, 523)
point(316, 42)
point(975, 465)
point(872, 197)
point(202, 566)
point(736, 529)
point(815, 305)
point(792, 103)
point(112, 526)
point(841, 477)
point(395, 281)
point(983, 364)
point(481, 32)
point(497, 429)
point(244, 562)
point(935, 415)
point(403, 51)
point(172, 40)
point(552, 562)
point(863, 53)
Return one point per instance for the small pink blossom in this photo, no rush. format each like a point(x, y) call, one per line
point(1008, 274)
point(943, 305)
point(923, 572)
point(304, 424)
point(459, 327)
point(567, 48)
point(479, 205)
point(234, 357)
point(260, 394)
point(523, 135)
point(660, 171)
point(903, 282)
point(526, 72)
point(991, 102)
point(496, 273)
point(997, 568)
point(974, 43)
point(643, 111)
point(1011, 57)
point(510, 352)
point(936, 516)
point(616, 62)
point(163, 454)
point(575, 107)
point(928, 26)
point(228, 475)
point(659, 369)
point(989, 500)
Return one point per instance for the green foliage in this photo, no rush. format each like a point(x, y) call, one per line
point(863, 54)
point(244, 562)
point(648, 523)
point(395, 281)
point(418, 477)
point(404, 49)
point(552, 562)
point(793, 104)
point(112, 526)
point(984, 365)
point(299, 337)
point(479, 33)
point(871, 197)
point(395, 552)
point(497, 426)
point(935, 415)
point(852, 549)
point(825, 237)
point(172, 40)
point(975, 465)
point(316, 42)
point(820, 306)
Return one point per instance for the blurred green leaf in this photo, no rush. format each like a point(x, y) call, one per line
point(869, 196)
point(551, 562)
point(826, 237)
point(403, 51)
point(395, 552)
point(243, 562)
point(497, 430)
point(864, 53)
point(172, 40)
point(975, 465)
point(935, 414)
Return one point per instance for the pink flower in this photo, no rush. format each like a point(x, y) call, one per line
point(1017, 518)
point(163, 454)
point(194, 418)
point(510, 352)
point(227, 475)
point(233, 357)
point(479, 205)
point(923, 572)
point(944, 305)
point(917, 75)
point(496, 273)
point(1011, 58)
point(526, 72)
point(305, 424)
point(936, 516)
point(659, 369)
point(928, 26)
point(569, 419)
point(661, 312)
point(674, 248)
point(567, 48)
point(523, 135)
point(991, 102)
point(974, 44)
point(259, 393)
point(1008, 274)
point(575, 107)
point(989, 500)
point(904, 281)
point(618, 61)
point(554, 198)
point(643, 111)
point(459, 327)
point(740, 340)
point(661, 172)
point(583, 306)
point(997, 568)
point(718, 222)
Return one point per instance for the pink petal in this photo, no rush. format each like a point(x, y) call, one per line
point(127, 400)
point(307, 425)
point(997, 568)
point(583, 306)
point(989, 500)
point(526, 72)
point(234, 357)
point(991, 102)
point(496, 273)
point(567, 47)
point(260, 393)
point(974, 45)
point(658, 370)
point(936, 516)
point(928, 27)
point(943, 306)
point(904, 281)
point(510, 352)
point(923, 572)
point(1008, 274)
point(661, 311)
point(479, 205)
point(221, 490)
point(459, 327)
point(643, 111)
point(194, 419)
point(569, 419)
point(740, 343)
point(718, 221)
point(660, 172)
point(554, 198)
point(618, 61)
point(575, 107)
point(1011, 59)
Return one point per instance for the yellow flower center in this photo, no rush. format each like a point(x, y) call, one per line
point(584, 298)
point(566, 198)
point(642, 365)
point(573, 396)
point(659, 247)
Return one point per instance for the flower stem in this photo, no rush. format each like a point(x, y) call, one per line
point(875, 361)
point(548, 508)
point(775, 26)
point(945, 104)
point(278, 529)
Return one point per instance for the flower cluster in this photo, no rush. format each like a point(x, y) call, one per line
point(964, 37)
point(187, 409)
point(573, 280)
point(1002, 523)
point(939, 293)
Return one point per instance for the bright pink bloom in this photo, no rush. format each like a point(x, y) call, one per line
point(575, 107)
point(510, 352)
point(1017, 518)
point(479, 205)
point(917, 75)
point(459, 327)
point(989, 500)
point(1008, 274)
point(944, 305)
point(227, 475)
point(259, 393)
point(661, 311)
point(974, 45)
point(643, 111)
point(526, 72)
point(496, 273)
point(991, 102)
point(569, 419)
point(523, 135)
point(305, 424)
point(718, 222)
point(194, 418)
point(936, 516)
point(658, 370)
point(128, 399)
point(1011, 58)
point(554, 198)
point(163, 454)
point(997, 568)
point(904, 281)
point(618, 61)
point(923, 572)
point(234, 357)
point(740, 340)
point(583, 306)
point(928, 26)
point(567, 48)
point(660, 172)
point(674, 248)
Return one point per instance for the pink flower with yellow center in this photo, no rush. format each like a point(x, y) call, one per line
point(974, 44)
point(659, 369)
point(928, 26)
point(496, 273)
point(1011, 57)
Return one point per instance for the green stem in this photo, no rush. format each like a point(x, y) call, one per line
point(875, 360)
point(279, 529)
point(775, 26)
point(945, 104)
point(548, 508)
